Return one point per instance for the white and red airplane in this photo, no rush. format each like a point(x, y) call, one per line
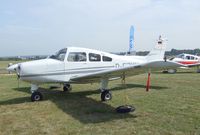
point(188, 60)
point(80, 65)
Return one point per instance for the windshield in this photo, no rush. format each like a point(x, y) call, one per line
point(60, 55)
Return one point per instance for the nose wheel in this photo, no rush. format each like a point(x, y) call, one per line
point(36, 96)
point(106, 95)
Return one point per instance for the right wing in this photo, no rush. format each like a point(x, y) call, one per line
point(127, 71)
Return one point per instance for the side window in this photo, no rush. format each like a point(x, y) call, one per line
point(105, 58)
point(192, 58)
point(188, 57)
point(77, 56)
point(94, 57)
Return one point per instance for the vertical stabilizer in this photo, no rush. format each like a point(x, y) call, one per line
point(159, 50)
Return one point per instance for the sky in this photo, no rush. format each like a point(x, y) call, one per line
point(42, 27)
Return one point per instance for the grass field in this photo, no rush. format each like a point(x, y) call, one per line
point(4, 65)
point(172, 107)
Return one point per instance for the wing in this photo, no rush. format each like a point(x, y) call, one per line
point(193, 65)
point(127, 71)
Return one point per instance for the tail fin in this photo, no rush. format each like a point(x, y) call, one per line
point(159, 50)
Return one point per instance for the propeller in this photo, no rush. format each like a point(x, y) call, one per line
point(18, 73)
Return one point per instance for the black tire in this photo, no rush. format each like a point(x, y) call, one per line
point(165, 71)
point(198, 70)
point(106, 95)
point(125, 109)
point(67, 88)
point(36, 96)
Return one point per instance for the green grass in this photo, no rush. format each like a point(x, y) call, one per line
point(4, 65)
point(172, 107)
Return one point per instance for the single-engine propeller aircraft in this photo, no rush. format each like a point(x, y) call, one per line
point(80, 65)
point(188, 60)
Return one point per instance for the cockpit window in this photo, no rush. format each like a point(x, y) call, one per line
point(60, 55)
point(77, 56)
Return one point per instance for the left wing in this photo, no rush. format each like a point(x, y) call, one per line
point(127, 71)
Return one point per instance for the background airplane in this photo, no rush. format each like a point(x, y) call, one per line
point(188, 60)
point(81, 65)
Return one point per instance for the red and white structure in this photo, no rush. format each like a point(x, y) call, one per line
point(188, 60)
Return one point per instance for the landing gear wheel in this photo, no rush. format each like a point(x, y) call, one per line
point(165, 71)
point(198, 70)
point(67, 88)
point(106, 95)
point(172, 71)
point(36, 96)
point(125, 109)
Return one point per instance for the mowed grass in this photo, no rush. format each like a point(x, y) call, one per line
point(4, 65)
point(172, 107)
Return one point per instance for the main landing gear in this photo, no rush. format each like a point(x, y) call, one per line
point(67, 87)
point(105, 94)
point(198, 69)
point(170, 71)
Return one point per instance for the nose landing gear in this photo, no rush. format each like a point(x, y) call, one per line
point(36, 96)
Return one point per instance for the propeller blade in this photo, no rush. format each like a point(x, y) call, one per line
point(18, 74)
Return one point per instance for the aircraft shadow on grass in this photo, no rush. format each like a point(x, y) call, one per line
point(128, 86)
point(178, 72)
point(79, 105)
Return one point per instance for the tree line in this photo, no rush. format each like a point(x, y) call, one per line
point(173, 52)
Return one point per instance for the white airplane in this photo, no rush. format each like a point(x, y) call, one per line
point(74, 65)
point(188, 60)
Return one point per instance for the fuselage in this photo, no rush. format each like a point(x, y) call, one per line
point(73, 62)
